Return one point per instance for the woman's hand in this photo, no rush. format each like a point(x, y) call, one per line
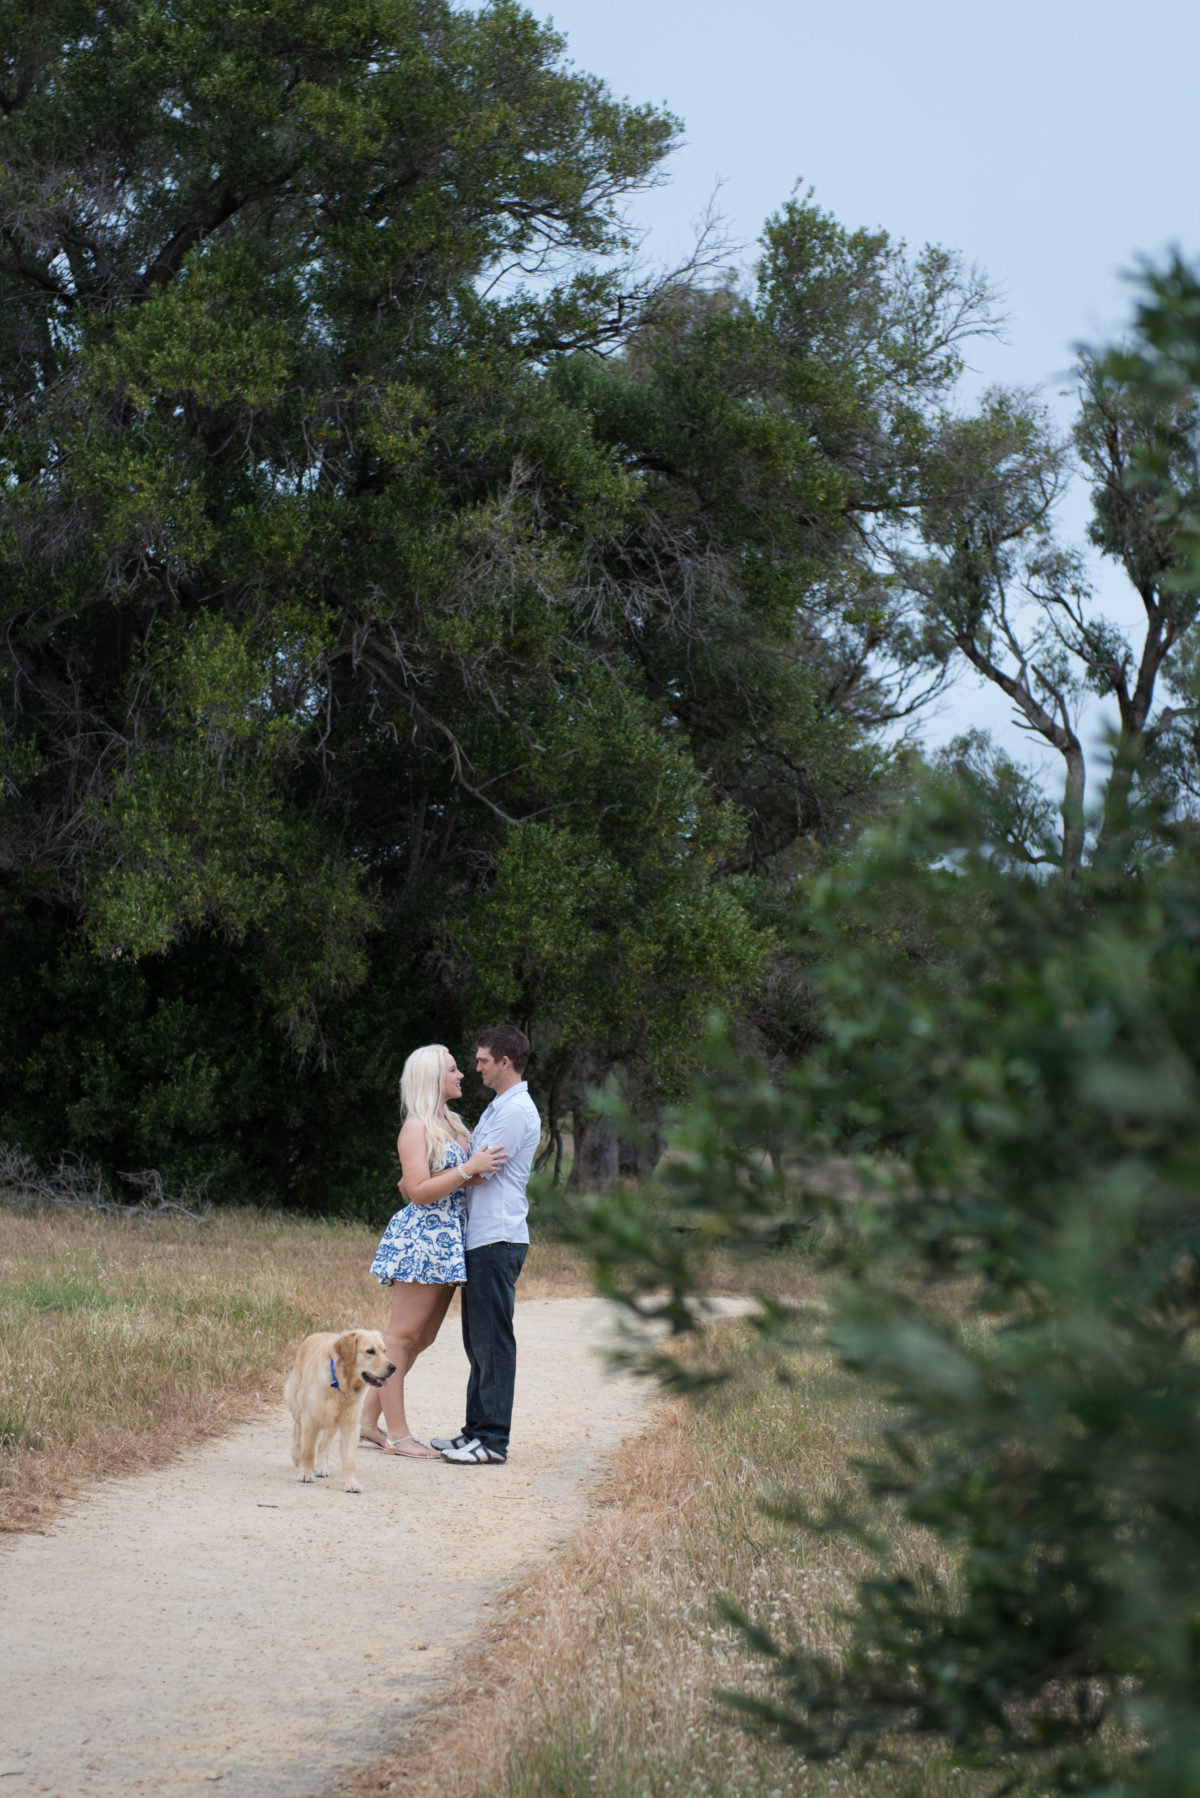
point(484, 1162)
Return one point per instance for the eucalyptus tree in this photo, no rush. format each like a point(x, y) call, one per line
point(995, 587)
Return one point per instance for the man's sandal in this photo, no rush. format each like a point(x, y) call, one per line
point(422, 1451)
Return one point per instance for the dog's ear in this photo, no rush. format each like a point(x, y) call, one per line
point(345, 1354)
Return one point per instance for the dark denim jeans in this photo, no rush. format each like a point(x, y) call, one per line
point(488, 1299)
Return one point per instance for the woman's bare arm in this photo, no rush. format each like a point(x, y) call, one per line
point(424, 1188)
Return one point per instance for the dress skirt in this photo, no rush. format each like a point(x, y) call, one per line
point(425, 1242)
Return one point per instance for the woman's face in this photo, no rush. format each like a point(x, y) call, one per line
point(452, 1083)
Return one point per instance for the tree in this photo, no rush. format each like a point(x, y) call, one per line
point(285, 607)
point(994, 587)
point(252, 383)
point(770, 434)
point(1019, 1268)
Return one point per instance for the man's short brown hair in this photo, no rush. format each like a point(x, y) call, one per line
point(505, 1040)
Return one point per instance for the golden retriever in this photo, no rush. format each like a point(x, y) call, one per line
point(325, 1392)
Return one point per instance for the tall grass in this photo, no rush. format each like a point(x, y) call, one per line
point(124, 1339)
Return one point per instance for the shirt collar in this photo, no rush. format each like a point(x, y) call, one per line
point(522, 1086)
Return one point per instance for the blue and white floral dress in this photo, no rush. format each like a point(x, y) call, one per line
point(425, 1242)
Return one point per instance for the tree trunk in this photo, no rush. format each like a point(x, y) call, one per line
point(638, 1160)
point(595, 1167)
point(596, 1163)
point(554, 1141)
point(1056, 731)
point(1119, 791)
point(1072, 814)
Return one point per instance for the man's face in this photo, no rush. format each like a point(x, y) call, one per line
point(489, 1069)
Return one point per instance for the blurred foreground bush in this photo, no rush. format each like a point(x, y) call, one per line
point(1016, 1270)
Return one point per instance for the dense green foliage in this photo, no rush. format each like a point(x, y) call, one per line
point(290, 647)
point(409, 617)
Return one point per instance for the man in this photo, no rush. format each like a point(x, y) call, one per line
point(497, 1242)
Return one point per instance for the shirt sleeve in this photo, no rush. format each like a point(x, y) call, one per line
point(510, 1130)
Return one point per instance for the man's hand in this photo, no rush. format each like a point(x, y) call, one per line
point(484, 1162)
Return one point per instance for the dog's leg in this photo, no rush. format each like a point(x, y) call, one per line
point(322, 1461)
point(349, 1447)
point(307, 1446)
point(291, 1401)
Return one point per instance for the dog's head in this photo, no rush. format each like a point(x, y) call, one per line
point(361, 1356)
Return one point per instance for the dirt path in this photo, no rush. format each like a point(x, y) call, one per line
point(216, 1627)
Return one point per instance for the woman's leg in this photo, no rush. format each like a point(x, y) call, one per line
point(437, 1318)
point(416, 1316)
point(369, 1422)
point(374, 1426)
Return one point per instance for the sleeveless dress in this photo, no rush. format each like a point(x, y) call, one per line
point(425, 1242)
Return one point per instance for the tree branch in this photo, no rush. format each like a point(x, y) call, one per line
point(204, 220)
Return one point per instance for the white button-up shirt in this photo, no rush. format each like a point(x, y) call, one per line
point(498, 1209)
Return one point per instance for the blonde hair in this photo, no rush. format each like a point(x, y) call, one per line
point(422, 1095)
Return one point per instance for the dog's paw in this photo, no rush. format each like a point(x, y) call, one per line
point(322, 1473)
point(351, 1486)
point(304, 1477)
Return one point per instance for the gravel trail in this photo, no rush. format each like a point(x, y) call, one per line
point(217, 1627)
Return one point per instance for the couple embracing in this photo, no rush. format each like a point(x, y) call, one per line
point(465, 1224)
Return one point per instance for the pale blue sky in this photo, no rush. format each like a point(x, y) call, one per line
point(1053, 143)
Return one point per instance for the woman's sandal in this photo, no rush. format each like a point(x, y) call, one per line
point(379, 1441)
point(422, 1452)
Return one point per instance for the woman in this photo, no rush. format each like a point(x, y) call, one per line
point(421, 1254)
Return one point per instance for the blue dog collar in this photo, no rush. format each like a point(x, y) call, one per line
point(333, 1379)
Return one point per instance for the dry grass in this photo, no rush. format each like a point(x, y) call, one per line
point(600, 1676)
point(122, 1339)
